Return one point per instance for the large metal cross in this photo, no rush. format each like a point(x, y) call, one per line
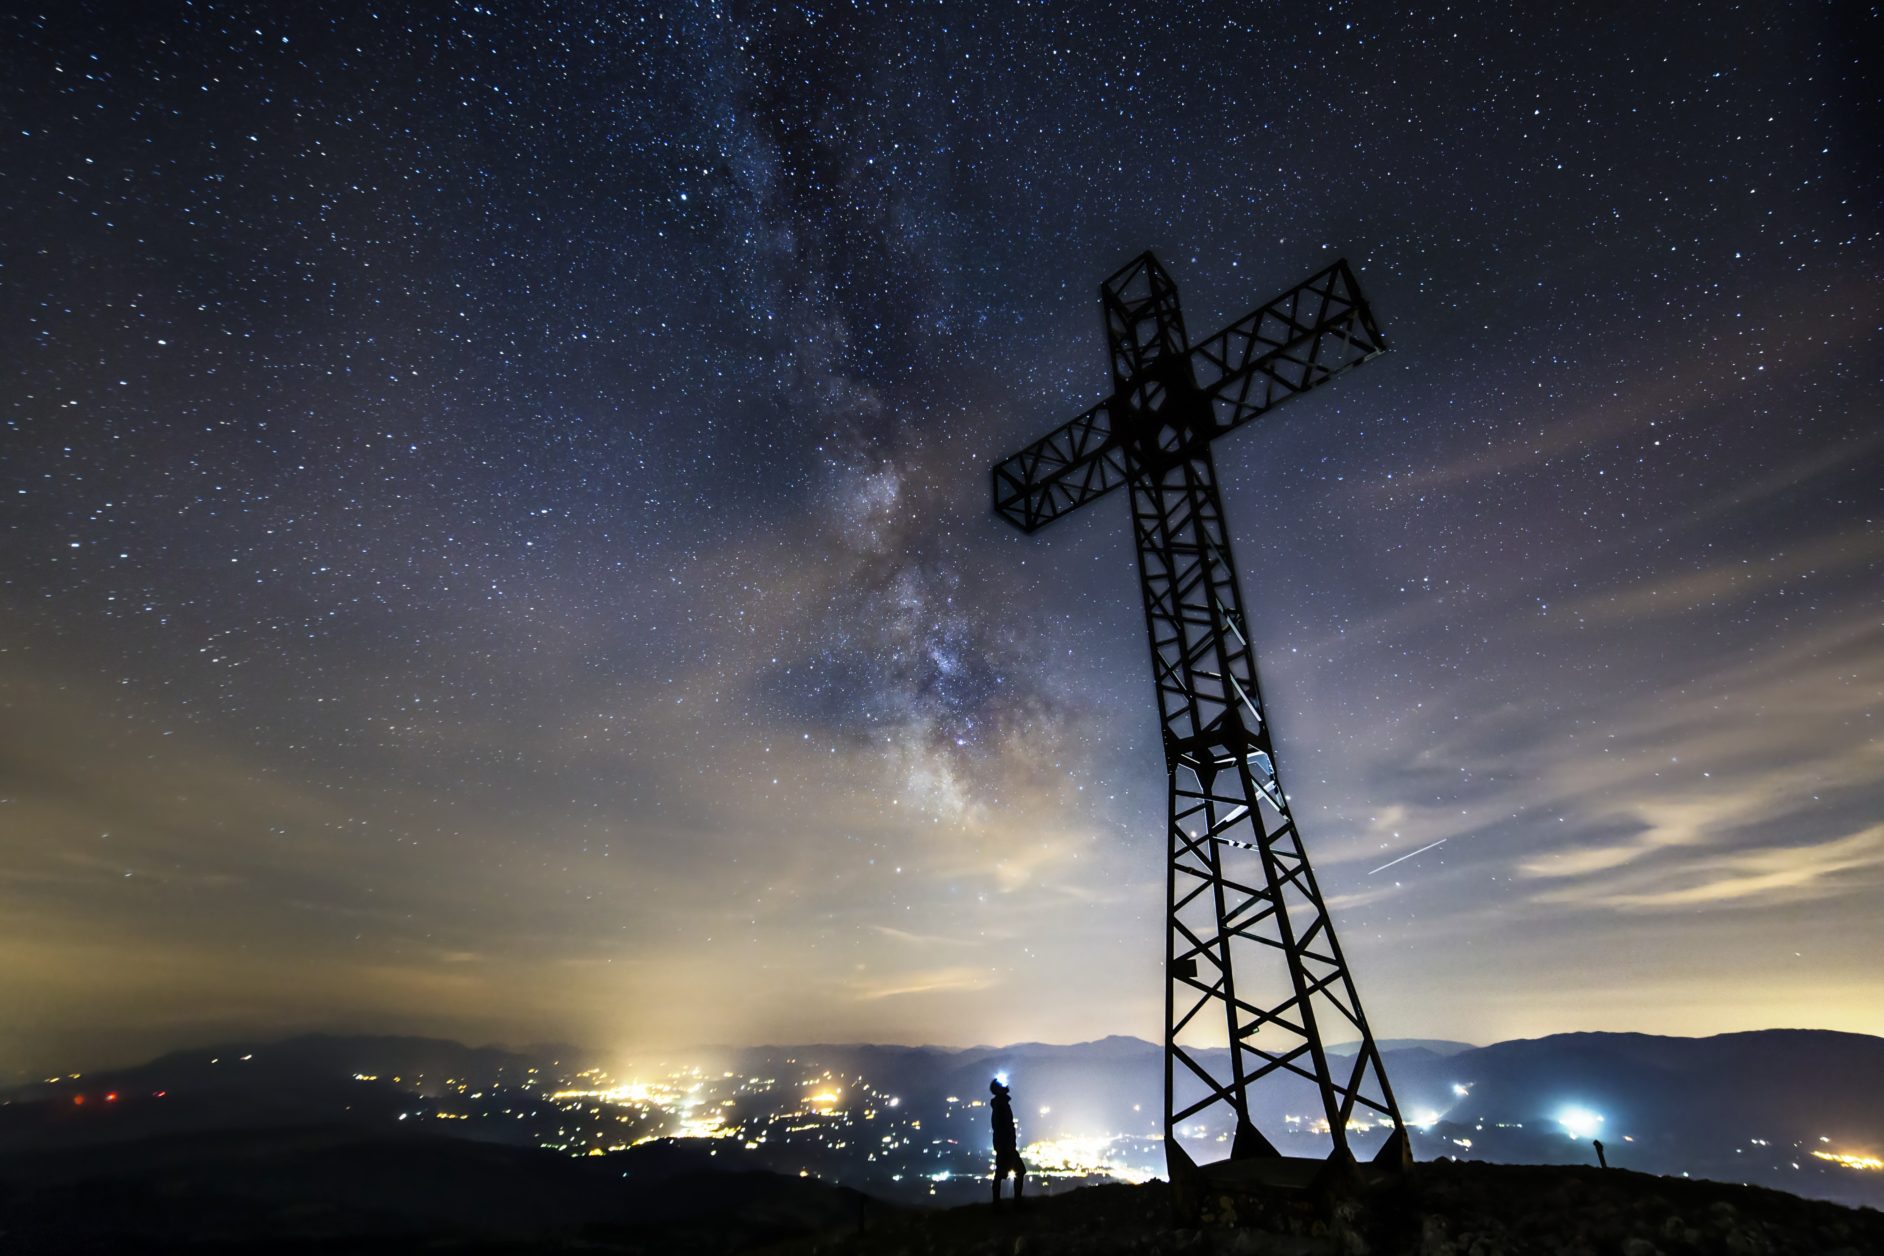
point(1249, 938)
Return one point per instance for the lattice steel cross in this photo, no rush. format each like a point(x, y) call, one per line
point(1249, 937)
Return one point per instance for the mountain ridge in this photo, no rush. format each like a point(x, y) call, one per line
point(1790, 1108)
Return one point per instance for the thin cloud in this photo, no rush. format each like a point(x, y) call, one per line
point(1731, 583)
point(1767, 874)
point(932, 981)
point(1664, 390)
point(920, 939)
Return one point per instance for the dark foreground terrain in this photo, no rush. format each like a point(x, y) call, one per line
point(1442, 1209)
point(325, 1190)
point(336, 1190)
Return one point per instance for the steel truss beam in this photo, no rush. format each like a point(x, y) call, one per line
point(1303, 338)
point(1251, 956)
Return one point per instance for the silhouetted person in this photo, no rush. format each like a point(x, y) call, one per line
point(1600, 1157)
point(1006, 1155)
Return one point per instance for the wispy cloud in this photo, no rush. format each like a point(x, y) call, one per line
point(919, 939)
point(1778, 873)
point(930, 981)
point(1688, 381)
point(1693, 782)
point(1736, 581)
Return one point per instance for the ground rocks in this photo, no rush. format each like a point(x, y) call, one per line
point(1442, 1209)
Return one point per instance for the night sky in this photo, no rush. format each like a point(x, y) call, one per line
point(498, 538)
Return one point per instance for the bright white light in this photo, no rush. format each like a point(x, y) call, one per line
point(1001, 1077)
point(1461, 1089)
point(1083, 1156)
point(1580, 1122)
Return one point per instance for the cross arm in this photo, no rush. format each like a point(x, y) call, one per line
point(1060, 472)
point(1304, 337)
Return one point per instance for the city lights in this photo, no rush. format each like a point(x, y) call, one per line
point(1851, 1160)
point(1084, 1157)
point(831, 1122)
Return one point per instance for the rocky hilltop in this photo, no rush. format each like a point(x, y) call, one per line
point(1446, 1208)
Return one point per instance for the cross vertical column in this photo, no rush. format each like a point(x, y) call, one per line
point(1241, 895)
point(1183, 585)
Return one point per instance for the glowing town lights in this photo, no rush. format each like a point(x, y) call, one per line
point(1079, 1157)
point(1317, 1126)
point(1580, 1122)
point(1851, 1160)
point(704, 1127)
point(821, 1112)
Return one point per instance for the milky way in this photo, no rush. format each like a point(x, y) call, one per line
point(500, 546)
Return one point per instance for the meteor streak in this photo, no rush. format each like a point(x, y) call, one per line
point(1402, 859)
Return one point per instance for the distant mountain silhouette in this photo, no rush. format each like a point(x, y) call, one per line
point(1745, 1107)
point(1732, 1084)
point(309, 1080)
point(1438, 1046)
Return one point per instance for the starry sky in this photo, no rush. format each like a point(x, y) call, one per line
point(498, 541)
